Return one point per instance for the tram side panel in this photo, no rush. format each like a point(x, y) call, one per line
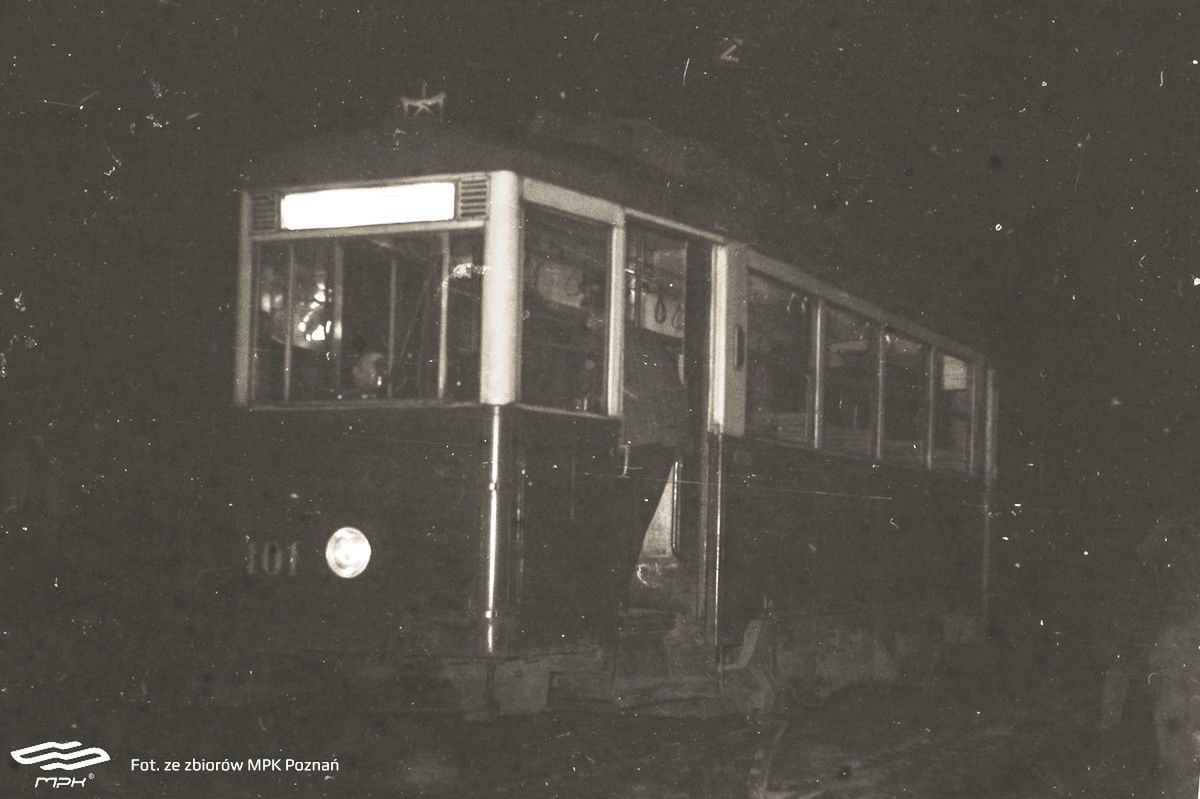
point(868, 573)
point(574, 553)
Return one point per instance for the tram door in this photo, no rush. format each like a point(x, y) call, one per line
point(667, 288)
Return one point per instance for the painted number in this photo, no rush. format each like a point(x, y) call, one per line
point(271, 558)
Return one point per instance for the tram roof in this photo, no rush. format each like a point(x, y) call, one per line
point(629, 162)
point(428, 148)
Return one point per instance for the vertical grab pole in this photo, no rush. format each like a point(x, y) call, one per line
point(443, 317)
point(391, 347)
point(289, 300)
point(339, 283)
point(496, 535)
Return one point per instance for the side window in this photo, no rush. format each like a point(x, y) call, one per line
point(779, 369)
point(657, 264)
point(850, 374)
point(564, 337)
point(905, 402)
point(656, 404)
point(953, 392)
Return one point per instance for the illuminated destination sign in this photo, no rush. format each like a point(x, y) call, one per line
point(375, 205)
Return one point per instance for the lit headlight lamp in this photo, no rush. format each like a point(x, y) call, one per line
point(348, 552)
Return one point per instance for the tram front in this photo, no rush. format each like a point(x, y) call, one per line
point(374, 376)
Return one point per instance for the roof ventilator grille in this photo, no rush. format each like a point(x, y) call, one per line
point(472, 198)
point(264, 212)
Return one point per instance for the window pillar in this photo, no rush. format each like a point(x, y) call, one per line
point(245, 345)
point(728, 383)
point(989, 427)
point(932, 354)
point(500, 345)
point(614, 366)
point(880, 390)
point(819, 367)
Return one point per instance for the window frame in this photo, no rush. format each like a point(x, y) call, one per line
point(589, 208)
point(731, 264)
point(745, 261)
point(606, 352)
point(875, 412)
point(337, 270)
point(926, 412)
point(565, 202)
point(977, 373)
point(814, 355)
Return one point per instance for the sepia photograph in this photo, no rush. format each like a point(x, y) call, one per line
point(679, 399)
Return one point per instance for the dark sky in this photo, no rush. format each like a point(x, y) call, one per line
point(1031, 168)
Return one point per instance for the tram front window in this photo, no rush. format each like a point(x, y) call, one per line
point(390, 317)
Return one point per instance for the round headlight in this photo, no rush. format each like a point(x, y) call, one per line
point(348, 552)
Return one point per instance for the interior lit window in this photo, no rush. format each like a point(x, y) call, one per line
point(906, 399)
point(565, 318)
point(657, 263)
point(779, 363)
point(312, 374)
point(388, 317)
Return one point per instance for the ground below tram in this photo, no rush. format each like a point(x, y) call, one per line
point(869, 741)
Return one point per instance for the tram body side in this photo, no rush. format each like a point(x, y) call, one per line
point(510, 543)
point(864, 573)
point(868, 574)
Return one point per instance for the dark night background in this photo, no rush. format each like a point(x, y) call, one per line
point(1021, 175)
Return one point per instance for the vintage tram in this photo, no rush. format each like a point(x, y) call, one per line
point(523, 419)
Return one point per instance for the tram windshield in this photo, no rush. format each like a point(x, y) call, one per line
point(361, 318)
